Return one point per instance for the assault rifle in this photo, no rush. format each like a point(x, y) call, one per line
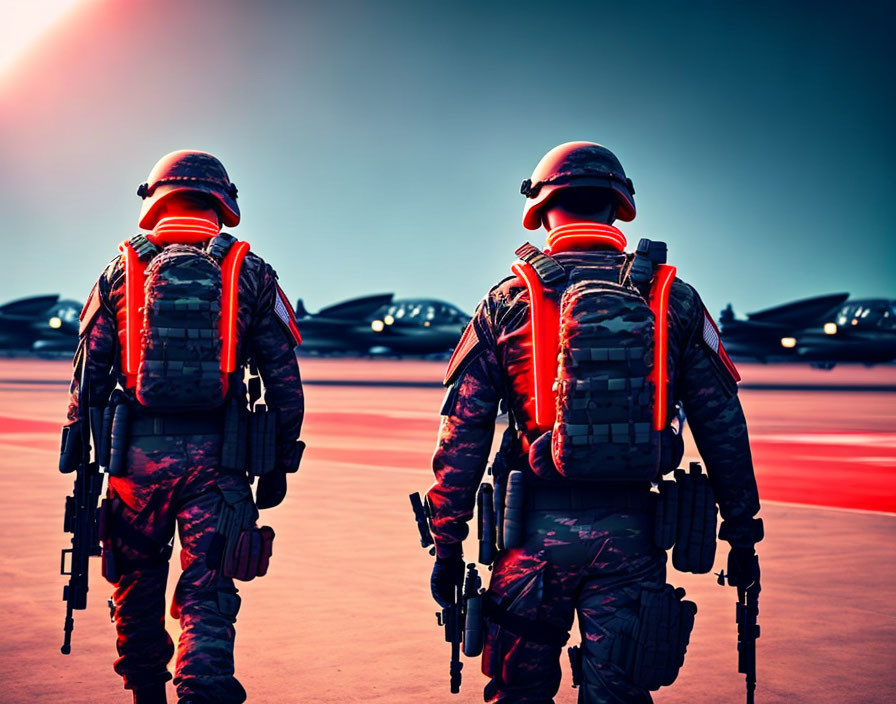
point(81, 511)
point(747, 614)
point(462, 620)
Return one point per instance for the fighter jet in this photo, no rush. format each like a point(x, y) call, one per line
point(379, 324)
point(822, 331)
point(39, 324)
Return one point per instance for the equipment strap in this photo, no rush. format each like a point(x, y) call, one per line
point(134, 299)
point(533, 631)
point(548, 269)
point(145, 249)
point(179, 424)
point(606, 354)
point(230, 274)
point(544, 315)
point(220, 245)
point(659, 304)
point(624, 497)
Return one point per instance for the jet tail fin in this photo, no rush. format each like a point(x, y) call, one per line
point(31, 306)
point(356, 308)
point(802, 313)
point(727, 314)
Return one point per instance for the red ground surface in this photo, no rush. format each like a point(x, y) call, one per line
point(345, 614)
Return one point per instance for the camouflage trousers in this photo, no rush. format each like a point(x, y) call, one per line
point(593, 562)
point(173, 482)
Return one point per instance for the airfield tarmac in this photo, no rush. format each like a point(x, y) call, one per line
point(345, 613)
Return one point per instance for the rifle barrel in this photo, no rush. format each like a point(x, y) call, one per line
point(69, 626)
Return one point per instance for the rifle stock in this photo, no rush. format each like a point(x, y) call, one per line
point(462, 620)
point(81, 510)
point(747, 616)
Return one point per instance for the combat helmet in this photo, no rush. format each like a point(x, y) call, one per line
point(188, 171)
point(573, 165)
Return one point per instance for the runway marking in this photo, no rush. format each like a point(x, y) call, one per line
point(853, 388)
point(435, 384)
point(27, 448)
point(796, 504)
point(880, 461)
point(424, 473)
point(882, 439)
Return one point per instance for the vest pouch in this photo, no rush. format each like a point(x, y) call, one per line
point(251, 554)
point(486, 529)
point(695, 538)
point(119, 438)
point(513, 531)
point(500, 480)
point(262, 440)
point(104, 446)
point(541, 459)
point(235, 448)
point(474, 625)
point(239, 548)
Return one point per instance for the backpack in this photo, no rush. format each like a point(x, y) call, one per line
point(600, 368)
point(181, 322)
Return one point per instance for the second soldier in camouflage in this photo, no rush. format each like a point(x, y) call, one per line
point(586, 547)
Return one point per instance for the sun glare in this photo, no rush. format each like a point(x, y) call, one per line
point(22, 22)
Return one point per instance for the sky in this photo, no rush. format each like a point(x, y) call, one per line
point(379, 146)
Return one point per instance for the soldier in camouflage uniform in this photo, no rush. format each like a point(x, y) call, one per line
point(174, 475)
point(586, 548)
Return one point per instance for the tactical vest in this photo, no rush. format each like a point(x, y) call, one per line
point(599, 363)
point(180, 321)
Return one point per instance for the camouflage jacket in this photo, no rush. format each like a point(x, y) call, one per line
point(261, 335)
point(492, 366)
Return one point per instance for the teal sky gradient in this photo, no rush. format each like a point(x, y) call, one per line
point(380, 146)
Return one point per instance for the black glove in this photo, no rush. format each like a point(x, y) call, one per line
point(743, 567)
point(271, 490)
point(447, 574)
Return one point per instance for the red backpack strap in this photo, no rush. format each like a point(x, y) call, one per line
point(230, 277)
point(544, 317)
point(134, 299)
point(663, 277)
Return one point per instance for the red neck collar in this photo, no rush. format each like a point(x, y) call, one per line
point(183, 229)
point(578, 236)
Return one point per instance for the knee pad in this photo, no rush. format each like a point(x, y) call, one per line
point(507, 635)
point(223, 601)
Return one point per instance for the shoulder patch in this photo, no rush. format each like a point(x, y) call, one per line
point(467, 348)
point(286, 315)
point(90, 309)
point(713, 341)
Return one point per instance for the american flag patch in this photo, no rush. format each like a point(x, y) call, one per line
point(714, 342)
point(469, 341)
point(91, 308)
point(710, 334)
point(283, 310)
